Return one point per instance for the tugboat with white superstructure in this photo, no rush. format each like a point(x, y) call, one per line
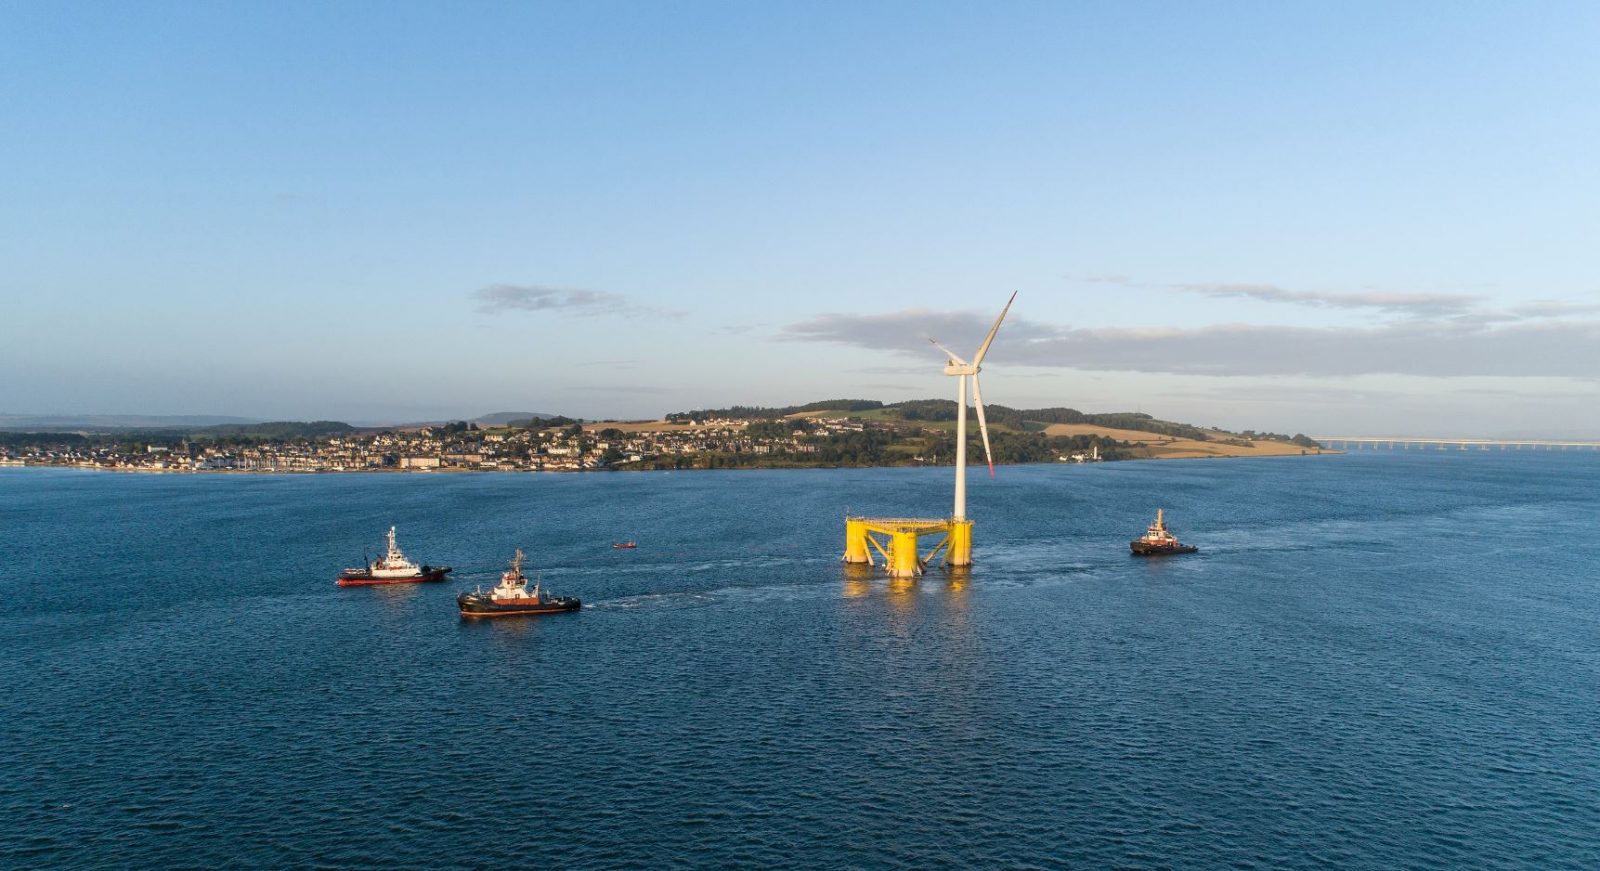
point(512, 597)
point(391, 568)
point(1157, 541)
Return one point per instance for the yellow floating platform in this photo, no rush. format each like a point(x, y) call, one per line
point(896, 539)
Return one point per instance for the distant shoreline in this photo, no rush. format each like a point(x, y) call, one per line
point(466, 471)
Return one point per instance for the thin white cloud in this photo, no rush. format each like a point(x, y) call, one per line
point(1558, 349)
point(499, 298)
point(1420, 304)
point(640, 389)
point(1554, 308)
point(503, 298)
point(1414, 304)
point(1552, 348)
point(909, 330)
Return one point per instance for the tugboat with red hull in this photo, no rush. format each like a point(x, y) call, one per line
point(391, 568)
point(1157, 541)
point(511, 597)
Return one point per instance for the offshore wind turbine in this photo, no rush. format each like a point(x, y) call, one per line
point(962, 370)
point(896, 538)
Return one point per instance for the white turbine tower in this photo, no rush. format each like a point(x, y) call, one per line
point(961, 369)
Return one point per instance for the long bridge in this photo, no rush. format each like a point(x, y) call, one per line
point(1415, 443)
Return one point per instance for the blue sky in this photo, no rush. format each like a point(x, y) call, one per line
point(1377, 218)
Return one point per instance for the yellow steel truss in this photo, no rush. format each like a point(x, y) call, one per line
point(896, 539)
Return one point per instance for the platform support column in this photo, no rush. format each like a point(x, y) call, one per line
point(855, 541)
point(960, 551)
point(904, 552)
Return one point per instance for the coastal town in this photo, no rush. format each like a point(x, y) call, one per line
point(573, 447)
point(833, 433)
point(449, 447)
point(453, 447)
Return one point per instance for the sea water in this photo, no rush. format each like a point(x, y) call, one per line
point(1375, 661)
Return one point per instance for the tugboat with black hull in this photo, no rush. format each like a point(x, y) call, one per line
point(1158, 541)
point(391, 568)
point(511, 597)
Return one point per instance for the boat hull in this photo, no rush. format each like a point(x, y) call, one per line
point(473, 606)
point(1145, 548)
point(364, 579)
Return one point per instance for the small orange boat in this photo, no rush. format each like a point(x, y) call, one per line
point(625, 545)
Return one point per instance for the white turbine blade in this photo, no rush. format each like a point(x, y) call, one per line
point(989, 339)
point(951, 354)
point(983, 425)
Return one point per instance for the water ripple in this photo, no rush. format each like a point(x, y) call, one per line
point(1312, 690)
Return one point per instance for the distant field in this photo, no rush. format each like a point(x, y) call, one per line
point(640, 426)
point(1145, 444)
point(1165, 447)
point(1121, 435)
point(889, 415)
point(868, 414)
